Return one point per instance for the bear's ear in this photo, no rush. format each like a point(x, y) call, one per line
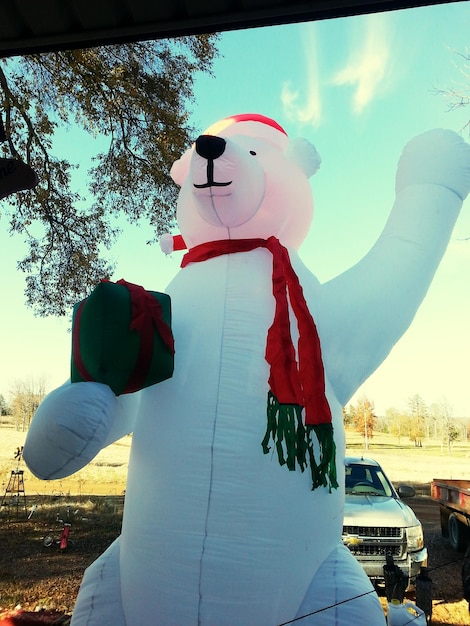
point(304, 154)
point(180, 168)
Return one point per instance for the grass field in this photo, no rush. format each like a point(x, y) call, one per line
point(403, 462)
point(34, 576)
point(107, 473)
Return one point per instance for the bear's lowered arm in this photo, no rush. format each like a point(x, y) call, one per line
point(72, 424)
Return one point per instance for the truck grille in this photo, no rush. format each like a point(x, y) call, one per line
point(373, 531)
point(371, 542)
point(376, 550)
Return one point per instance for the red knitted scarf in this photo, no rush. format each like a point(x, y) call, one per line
point(293, 385)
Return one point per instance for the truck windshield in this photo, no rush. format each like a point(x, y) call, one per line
point(366, 479)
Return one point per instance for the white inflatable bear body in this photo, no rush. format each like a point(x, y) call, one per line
point(214, 531)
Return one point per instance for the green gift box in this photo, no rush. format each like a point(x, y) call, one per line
point(121, 336)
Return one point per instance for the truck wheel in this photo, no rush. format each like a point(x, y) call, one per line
point(457, 533)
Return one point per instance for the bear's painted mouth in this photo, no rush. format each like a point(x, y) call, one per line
point(212, 184)
point(210, 178)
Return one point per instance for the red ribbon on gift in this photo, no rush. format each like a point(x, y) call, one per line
point(146, 313)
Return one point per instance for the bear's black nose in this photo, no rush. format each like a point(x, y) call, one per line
point(210, 147)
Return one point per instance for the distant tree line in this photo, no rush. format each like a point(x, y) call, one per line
point(361, 416)
point(26, 395)
point(5, 409)
point(418, 423)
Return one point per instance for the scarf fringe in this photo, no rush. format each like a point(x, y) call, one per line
point(294, 443)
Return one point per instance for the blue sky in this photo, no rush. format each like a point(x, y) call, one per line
point(359, 88)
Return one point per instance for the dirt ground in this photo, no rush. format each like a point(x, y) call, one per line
point(445, 565)
point(36, 577)
point(33, 576)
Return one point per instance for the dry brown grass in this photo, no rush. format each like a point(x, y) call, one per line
point(105, 475)
point(96, 492)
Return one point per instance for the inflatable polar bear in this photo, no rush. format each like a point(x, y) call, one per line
point(220, 533)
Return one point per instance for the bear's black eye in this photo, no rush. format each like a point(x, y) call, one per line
point(252, 152)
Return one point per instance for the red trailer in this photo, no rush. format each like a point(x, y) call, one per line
point(453, 497)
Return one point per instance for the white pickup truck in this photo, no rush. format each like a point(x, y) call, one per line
point(378, 523)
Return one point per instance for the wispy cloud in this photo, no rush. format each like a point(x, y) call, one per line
point(368, 64)
point(304, 106)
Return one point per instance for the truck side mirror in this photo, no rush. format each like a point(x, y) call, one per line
point(405, 491)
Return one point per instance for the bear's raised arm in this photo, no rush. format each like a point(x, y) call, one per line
point(364, 311)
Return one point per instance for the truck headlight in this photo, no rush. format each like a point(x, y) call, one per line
point(414, 537)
